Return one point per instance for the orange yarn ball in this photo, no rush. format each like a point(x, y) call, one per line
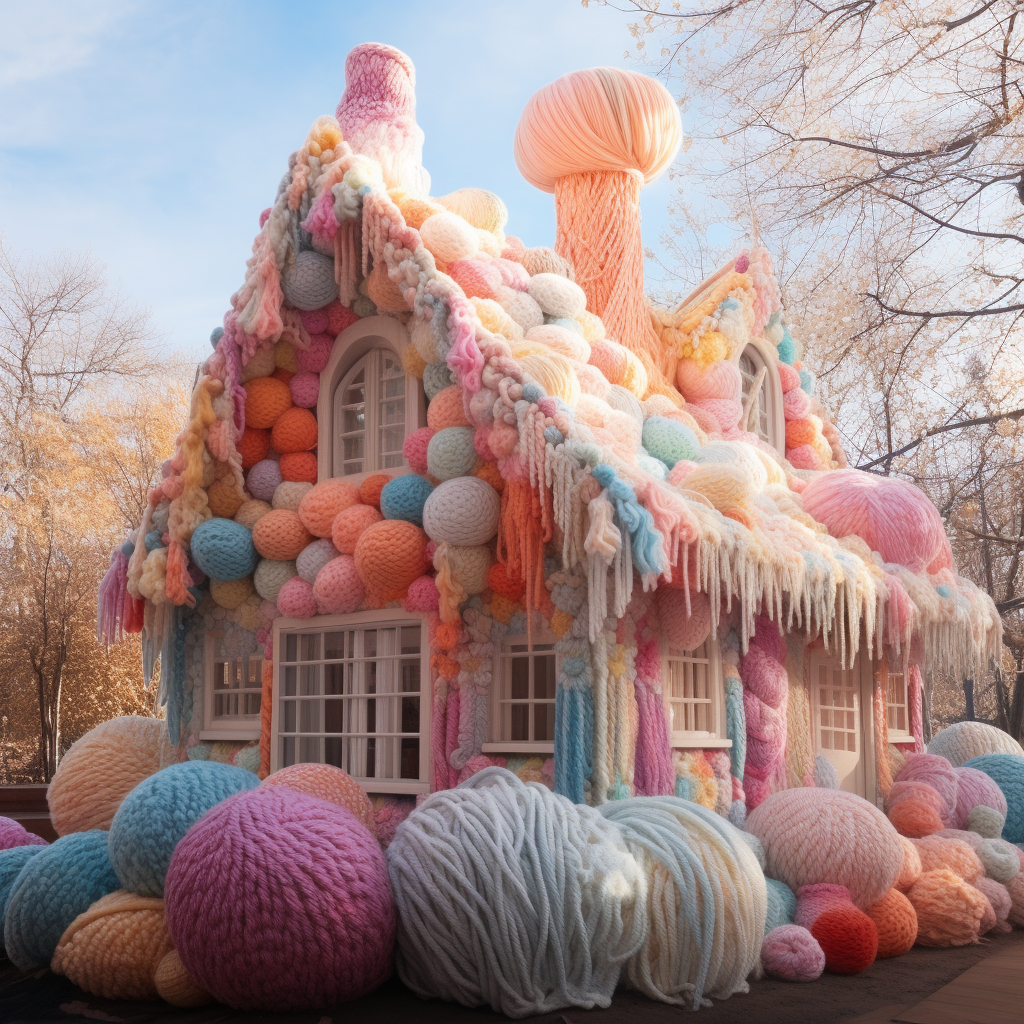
point(294, 431)
point(280, 535)
point(266, 399)
point(447, 636)
point(326, 782)
point(914, 819)
point(896, 924)
point(446, 410)
point(282, 374)
point(848, 938)
point(501, 583)
point(370, 488)
point(911, 870)
point(299, 467)
point(319, 507)
point(949, 911)
point(488, 471)
point(224, 499)
point(253, 446)
point(953, 854)
point(349, 525)
point(389, 555)
point(800, 432)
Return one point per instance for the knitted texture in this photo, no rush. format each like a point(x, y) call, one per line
point(299, 467)
point(404, 498)
point(1007, 771)
point(451, 453)
point(685, 618)
point(321, 505)
point(962, 741)
point(101, 768)
point(949, 911)
point(325, 782)
point(781, 904)
point(263, 479)
point(914, 819)
point(986, 821)
point(937, 852)
point(313, 558)
point(936, 772)
point(280, 535)
point(13, 833)
point(349, 525)
point(371, 488)
point(848, 939)
point(765, 693)
point(114, 948)
point(792, 953)
point(271, 576)
point(910, 871)
point(280, 901)
point(309, 283)
point(337, 588)
point(295, 599)
point(288, 494)
point(813, 900)
point(999, 859)
point(176, 986)
point(973, 789)
point(463, 511)
point(155, 816)
point(999, 900)
point(11, 863)
point(389, 555)
point(52, 889)
point(266, 400)
point(294, 431)
point(818, 835)
point(223, 549)
point(896, 924)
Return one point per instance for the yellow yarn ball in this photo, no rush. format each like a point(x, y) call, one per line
point(231, 594)
point(413, 362)
point(496, 320)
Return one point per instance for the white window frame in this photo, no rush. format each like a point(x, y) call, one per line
point(501, 683)
point(382, 618)
point(898, 735)
point(714, 738)
point(757, 351)
point(240, 727)
point(365, 335)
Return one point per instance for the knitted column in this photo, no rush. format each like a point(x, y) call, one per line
point(765, 689)
point(654, 773)
point(735, 723)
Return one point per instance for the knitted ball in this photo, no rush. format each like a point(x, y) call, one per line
point(685, 628)
point(223, 549)
point(294, 431)
point(936, 772)
point(224, 498)
point(299, 467)
point(262, 364)
point(280, 901)
point(404, 498)
point(999, 858)
point(938, 852)
point(828, 835)
point(338, 589)
point(422, 595)
point(309, 282)
point(155, 815)
point(451, 453)
point(446, 409)
point(476, 279)
point(52, 889)
point(339, 317)
point(792, 953)
point(986, 821)
point(564, 342)
point(11, 863)
point(253, 446)
point(263, 479)
point(949, 911)
point(910, 872)
point(14, 834)
point(414, 449)
point(349, 525)
point(313, 558)
point(975, 789)
point(251, 512)
point(449, 237)
point(295, 599)
point(914, 819)
point(175, 985)
point(557, 296)
point(266, 399)
point(668, 440)
point(101, 768)
point(389, 555)
point(114, 948)
point(371, 487)
point(231, 594)
point(781, 903)
point(305, 389)
point(961, 741)
point(436, 378)
point(320, 505)
point(326, 782)
point(271, 576)
point(896, 924)
point(463, 511)
point(1007, 772)
point(469, 566)
point(289, 494)
point(848, 940)
point(315, 358)
point(280, 535)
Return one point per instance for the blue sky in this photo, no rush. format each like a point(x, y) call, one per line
point(153, 134)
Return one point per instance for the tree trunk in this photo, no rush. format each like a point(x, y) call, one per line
point(1016, 716)
point(969, 700)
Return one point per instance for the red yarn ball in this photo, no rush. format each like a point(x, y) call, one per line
point(414, 449)
point(253, 446)
point(299, 467)
point(370, 488)
point(339, 317)
point(848, 938)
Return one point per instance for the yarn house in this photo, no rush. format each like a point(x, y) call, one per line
point(446, 501)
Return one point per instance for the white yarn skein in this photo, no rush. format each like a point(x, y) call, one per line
point(511, 896)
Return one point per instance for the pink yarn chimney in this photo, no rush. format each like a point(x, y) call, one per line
point(377, 114)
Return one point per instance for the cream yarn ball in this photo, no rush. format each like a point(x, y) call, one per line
point(289, 493)
point(271, 576)
point(449, 237)
point(463, 511)
point(962, 741)
point(557, 295)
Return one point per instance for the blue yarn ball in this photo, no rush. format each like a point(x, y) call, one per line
point(450, 453)
point(533, 392)
point(11, 863)
point(669, 441)
point(127, 549)
point(156, 814)
point(781, 904)
point(215, 335)
point(806, 381)
point(152, 540)
point(563, 321)
point(223, 549)
point(1007, 772)
point(51, 890)
point(404, 498)
point(436, 377)
point(786, 348)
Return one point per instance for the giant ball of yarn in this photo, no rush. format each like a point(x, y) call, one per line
point(326, 782)
point(685, 617)
point(223, 549)
point(828, 835)
point(389, 555)
point(975, 789)
point(949, 910)
point(309, 282)
point(320, 506)
point(114, 948)
point(349, 526)
point(464, 512)
point(892, 516)
point(271, 576)
point(936, 772)
point(314, 557)
point(266, 399)
point(337, 588)
point(159, 811)
point(404, 498)
point(848, 939)
point(1007, 771)
point(668, 440)
point(961, 741)
point(263, 480)
point(294, 431)
point(896, 924)
point(792, 953)
point(11, 863)
point(280, 901)
point(102, 768)
point(55, 886)
point(13, 834)
point(451, 453)
point(280, 535)
point(781, 904)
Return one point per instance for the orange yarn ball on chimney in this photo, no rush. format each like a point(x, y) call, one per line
point(280, 535)
point(294, 431)
point(253, 446)
point(370, 488)
point(265, 400)
point(299, 467)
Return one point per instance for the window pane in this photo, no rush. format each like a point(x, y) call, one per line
point(544, 678)
point(520, 681)
point(310, 647)
point(544, 721)
point(291, 647)
point(334, 645)
point(410, 758)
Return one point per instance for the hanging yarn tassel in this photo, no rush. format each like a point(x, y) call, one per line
point(111, 600)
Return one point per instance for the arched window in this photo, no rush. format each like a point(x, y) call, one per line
point(762, 397)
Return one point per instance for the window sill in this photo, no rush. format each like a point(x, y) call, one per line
point(681, 741)
point(525, 747)
point(243, 734)
point(900, 737)
point(395, 787)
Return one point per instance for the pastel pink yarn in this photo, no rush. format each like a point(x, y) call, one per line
point(422, 595)
point(685, 628)
point(314, 359)
point(893, 517)
point(974, 788)
point(765, 697)
point(13, 833)
point(295, 600)
point(280, 901)
point(414, 450)
point(314, 320)
point(305, 388)
point(934, 771)
point(792, 953)
point(338, 589)
point(813, 900)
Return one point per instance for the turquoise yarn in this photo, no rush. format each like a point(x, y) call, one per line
point(781, 904)
point(11, 863)
point(1007, 772)
point(807, 381)
point(669, 441)
point(223, 549)
point(153, 540)
point(51, 890)
point(157, 813)
point(787, 348)
point(404, 498)
point(451, 453)
point(648, 554)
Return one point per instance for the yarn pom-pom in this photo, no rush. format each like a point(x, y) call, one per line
point(13, 834)
point(896, 923)
point(792, 953)
point(320, 505)
point(914, 819)
point(949, 911)
point(848, 939)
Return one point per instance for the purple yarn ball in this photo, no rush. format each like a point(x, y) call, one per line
point(263, 479)
point(13, 833)
point(792, 953)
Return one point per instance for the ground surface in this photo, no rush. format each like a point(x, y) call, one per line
point(43, 997)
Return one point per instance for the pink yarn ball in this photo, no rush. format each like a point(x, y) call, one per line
point(422, 596)
point(813, 900)
point(936, 772)
point(684, 630)
point(314, 320)
point(13, 833)
point(792, 953)
point(415, 449)
point(788, 377)
point(338, 589)
point(295, 600)
point(280, 901)
point(314, 358)
point(974, 788)
point(804, 457)
point(305, 388)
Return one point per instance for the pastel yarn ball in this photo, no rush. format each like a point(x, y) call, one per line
point(685, 628)
point(309, 282)
point(414, 449)
point(349, 525)
point(1007, 772)
point(446, 409)
point(975, 789)
point(11, 862)
point(848, 939)
point(449, 237)
point(231, 594)
point(299, 467)
point(404, 498)
point(175, 985)
point(389, 555)
point(986, 821)
point(463, 511)
point(263, 479)
point(266, 400)
point(320, 505)
point(371, 487)
point(155, 816)
point(338, 589)
point(13, 834)
point(56, 885)
point(451, 453)
point(279, 901)
point(910, 872)
point(224, 499)
point(262, 364)
point(436, 378)
point(102, 768)
point(557, 296)
point(271, 576)
point(957, 856)
point(326, 782)
point(313, 558)
point(294, 431)
point(280, 535)
point(251, 512)
point(792, 953)
point(828, 835)
point(914, 819)
point(896, 923)
point(295, 599)
point(949, 910)
point(422, 595)
point(935, 772)
point(223, 549)
point(314, 359)
point(781, 903)
point(960, 742)
point(289, 494)
point(668, 440)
